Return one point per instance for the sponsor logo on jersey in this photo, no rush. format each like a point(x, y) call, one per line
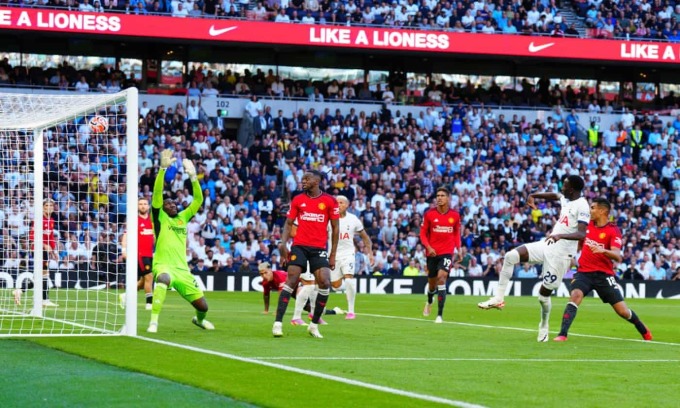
point(178, 230)
point(442, 229)
point(303, 205)
point(590, 242)
point(314, 217)
point(618, 241)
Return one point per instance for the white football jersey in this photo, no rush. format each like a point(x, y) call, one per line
point(571, 213)
point(347, 226)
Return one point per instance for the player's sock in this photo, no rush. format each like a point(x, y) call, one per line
point(284, 298)
point(312, 299)
point(301, 300)
point(149, 298)
point(546, 306)
point(568, 318)
point(26, 285)
point(441, 299)
point(430, 296)
point(510, 260)
point(329, 312)
point(45, 288)
point(351, 294)
point(159, 293)
point(635, 320)
point(200, 316)
point(320, 304)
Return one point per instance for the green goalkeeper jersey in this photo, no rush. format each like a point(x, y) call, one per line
point(171, 232)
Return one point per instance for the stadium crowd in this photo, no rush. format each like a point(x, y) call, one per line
point(643, 20)
point(387, 164)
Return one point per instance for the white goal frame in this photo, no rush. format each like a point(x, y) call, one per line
point(64, 107)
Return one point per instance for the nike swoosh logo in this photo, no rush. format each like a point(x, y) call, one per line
point(660, 295)
point(214, 32)
point(537, 48)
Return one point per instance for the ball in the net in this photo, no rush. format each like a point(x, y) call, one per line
point(99, 124)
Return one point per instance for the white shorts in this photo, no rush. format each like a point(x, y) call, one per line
point(555, 263)
point(343, 267)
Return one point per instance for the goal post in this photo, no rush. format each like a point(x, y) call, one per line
point(68, 194)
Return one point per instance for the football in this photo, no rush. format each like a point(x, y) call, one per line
point(99, 124)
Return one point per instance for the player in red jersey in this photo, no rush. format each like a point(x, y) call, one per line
point(271, 280)
point(313, 210)
point(145, 241)
point(602, 246)
point(49, 252)
point(440, 235)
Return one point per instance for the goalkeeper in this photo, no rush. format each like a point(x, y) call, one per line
point(170, 268)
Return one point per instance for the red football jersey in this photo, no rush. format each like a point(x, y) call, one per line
point(441, 231)
point(279, 278)
point(146, 237)
point(313, 216)
point(607, 237)
point(49, 239)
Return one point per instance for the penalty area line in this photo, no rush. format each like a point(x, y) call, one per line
point(522, 329)
point(390, 390)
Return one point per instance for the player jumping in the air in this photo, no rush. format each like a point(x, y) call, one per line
point(170, 267)
point(555, 252)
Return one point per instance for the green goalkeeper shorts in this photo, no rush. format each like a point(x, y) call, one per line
point(182, 281)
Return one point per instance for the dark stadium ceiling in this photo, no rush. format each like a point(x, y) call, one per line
point(320, 57)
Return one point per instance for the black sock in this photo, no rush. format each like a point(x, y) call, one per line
point(441, 299)
point(430, 296)
point(321, 299)
point(635, 320)
point(149, 298)
point(308, 306)
point(330, 312)
point(26, 285)
point(45, 288)
point(284, 298)
point(568, 318)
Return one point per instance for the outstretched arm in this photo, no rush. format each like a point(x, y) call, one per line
point(196, 192)
point(541, 196)
point(166, 161)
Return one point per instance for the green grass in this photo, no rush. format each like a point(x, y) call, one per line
point(489, 358)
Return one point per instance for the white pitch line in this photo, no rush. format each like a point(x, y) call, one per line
point(424, 397)
point(489, 326)
point(510, 360)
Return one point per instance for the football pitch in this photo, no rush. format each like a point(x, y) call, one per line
point(389, 356)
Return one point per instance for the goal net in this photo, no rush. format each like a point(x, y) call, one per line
point(68, 187)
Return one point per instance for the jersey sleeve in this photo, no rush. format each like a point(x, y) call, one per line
point(424, 229)
point(197, 193)
point(334, 209)
point(583, 215)
point(616, 240)
point(157, 198)
point(293, 211)
point(456, 233)
point(358, 225)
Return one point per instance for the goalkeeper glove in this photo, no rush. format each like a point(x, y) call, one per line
point(189, 168)
point(167, 159)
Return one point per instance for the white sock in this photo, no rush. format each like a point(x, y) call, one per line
point(546, 306)
point(312, 298)
point(302, 297)
point(351, 288)
point(511, 259)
